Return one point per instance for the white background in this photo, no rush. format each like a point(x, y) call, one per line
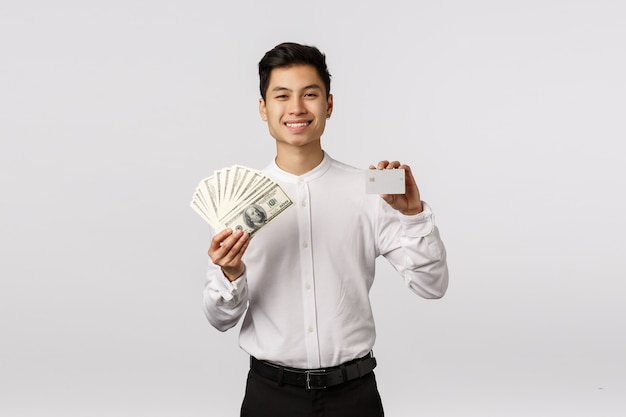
point(511, 114)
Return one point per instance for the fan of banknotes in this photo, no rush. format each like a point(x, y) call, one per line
point(239, 198)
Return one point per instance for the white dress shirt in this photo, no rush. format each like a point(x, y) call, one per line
point(305, 292)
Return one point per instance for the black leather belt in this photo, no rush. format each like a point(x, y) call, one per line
point(315, 378)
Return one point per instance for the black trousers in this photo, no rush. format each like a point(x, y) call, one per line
point(356, 398)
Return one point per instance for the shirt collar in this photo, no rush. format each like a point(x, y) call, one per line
point(313, 174)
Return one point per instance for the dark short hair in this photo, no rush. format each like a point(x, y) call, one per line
point(287, 54)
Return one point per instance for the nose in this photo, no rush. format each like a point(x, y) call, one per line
point(297, 106)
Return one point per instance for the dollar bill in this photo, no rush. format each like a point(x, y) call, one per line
point(240, 198)
point(252, 215)
point(209, 194)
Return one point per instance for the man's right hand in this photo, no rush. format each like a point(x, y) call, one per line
point(226, 250)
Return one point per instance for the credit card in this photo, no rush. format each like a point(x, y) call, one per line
point(384, 181)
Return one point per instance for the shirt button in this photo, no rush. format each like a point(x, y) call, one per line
point(310, 329)
point(307, 286)
point(306, 245)
point(304, 204)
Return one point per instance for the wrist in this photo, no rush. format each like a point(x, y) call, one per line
point(413, 211)
point(233, 275)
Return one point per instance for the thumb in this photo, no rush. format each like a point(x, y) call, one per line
point(387, 197)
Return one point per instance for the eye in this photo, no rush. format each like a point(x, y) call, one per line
point(313, 95)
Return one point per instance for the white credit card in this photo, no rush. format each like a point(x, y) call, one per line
point(384, 181)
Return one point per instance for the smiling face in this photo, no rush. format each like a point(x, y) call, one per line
point(296, 106)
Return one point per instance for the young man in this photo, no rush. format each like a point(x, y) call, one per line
point(303, 282)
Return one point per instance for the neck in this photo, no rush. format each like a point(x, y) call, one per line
point(299, 160)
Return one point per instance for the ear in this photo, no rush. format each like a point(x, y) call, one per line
point(262, 109)
point(329, 108)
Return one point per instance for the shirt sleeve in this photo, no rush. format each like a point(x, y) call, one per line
point(413, 246)
point(224, 301)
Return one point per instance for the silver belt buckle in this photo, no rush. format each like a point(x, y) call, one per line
point(308, 379)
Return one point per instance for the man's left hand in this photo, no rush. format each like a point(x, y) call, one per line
point(408, 203)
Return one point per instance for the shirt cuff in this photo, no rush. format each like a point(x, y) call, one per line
point(230, 289)
point(418, 225)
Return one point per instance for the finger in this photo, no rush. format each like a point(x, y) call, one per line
point(219, 248)
point(217, 240)
point(231, 240)
point(393, 165)
point(407, 170)
point(237, 250)
point(383, 164)
point(408, 176)
point(240, 249)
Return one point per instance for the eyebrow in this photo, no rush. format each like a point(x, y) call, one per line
point(308, 87)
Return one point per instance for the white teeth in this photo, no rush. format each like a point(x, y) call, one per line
point(297, 124)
